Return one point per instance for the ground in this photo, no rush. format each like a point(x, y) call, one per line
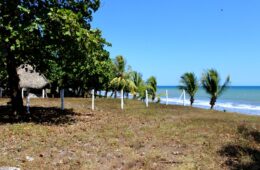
point(158, 137)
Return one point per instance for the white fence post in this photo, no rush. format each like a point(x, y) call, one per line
point(62, 98)
point(166, 97)
point(93, 99)
point(184, 98)
point(146, 98)
point(122, 99)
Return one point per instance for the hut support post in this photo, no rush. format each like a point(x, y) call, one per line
point(43, 93)
point(62, 98)
point(22, 92)
point(28, 103)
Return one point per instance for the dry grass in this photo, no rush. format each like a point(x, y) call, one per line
point(158, 137)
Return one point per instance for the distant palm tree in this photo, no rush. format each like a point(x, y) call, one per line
point(122, 79)
point(152, 86)
point(190, 84)
point(211, 83)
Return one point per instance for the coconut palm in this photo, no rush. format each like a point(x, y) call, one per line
point(211, 83)
point(190, 84)
point(152, 86)
point(138, 81)
point(122, 79)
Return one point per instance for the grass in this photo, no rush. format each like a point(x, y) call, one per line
point(158, 137)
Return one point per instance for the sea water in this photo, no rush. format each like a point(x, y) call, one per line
point(241, 99)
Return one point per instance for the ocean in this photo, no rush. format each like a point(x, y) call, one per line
point(241, 99)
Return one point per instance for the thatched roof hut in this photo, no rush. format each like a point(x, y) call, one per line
point(29, 78)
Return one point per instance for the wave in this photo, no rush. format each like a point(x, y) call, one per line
point(220, 105)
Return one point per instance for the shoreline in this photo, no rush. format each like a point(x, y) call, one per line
point(240, 108)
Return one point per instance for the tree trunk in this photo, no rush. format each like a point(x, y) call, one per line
point(13, 83)
point(212, 102)
point(115, 94)
point(100, 94)
point(191, 100)
point(112, 94)
point(106, 93)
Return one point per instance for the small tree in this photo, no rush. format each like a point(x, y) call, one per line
point(122, 79)
point(211, 83)
point(190, 84)
point(152, 86)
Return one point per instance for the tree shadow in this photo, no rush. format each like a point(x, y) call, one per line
point(249, 133)
point(39, 115)
point(243, 157)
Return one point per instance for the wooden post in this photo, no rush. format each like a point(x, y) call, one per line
point(146, 98)
point(93, 99)
point(166, 97)
point(122, 99)
point(1, 92)
point(62, 98)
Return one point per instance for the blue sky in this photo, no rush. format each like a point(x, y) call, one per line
point(170, 37)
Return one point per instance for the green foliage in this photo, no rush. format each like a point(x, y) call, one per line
point(211, 83)
point(138, 82)
point(152, 86)
point(122, 79)
point(190, 84)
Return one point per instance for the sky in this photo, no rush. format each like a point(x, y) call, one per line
point(170, 37)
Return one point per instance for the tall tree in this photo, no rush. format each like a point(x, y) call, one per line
point(211, 83)
point(37, 31)
point(190, 84)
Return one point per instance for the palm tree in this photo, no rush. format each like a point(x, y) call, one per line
point(138, 81)
point(190, 84)
point(211, 83)
point(122, 79)
point(152, 86)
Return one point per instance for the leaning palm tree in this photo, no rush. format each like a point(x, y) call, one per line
point(122, 79)
point(190, 84)
point(152, 86)
point(211, 83)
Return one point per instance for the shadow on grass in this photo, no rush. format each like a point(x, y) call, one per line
point(39, 115)
point(243, 157)
point(249, 133)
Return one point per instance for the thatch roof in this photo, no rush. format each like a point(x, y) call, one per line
point(29, 78)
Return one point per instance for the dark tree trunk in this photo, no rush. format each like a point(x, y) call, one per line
point(115, 94)
point(13, 83)
point(212, 102)
point(191, 100)
point(106, 93)
point(53, 89)
point(100, 96)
